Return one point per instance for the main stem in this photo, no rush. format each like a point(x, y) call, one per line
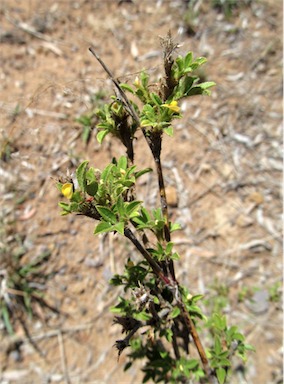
point(193, 332)
point(155, 147)
point(154, 141)
point(164, 206)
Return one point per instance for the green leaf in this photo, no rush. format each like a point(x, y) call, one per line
point(217, 346)
point(132, 207)
point(77, 197)
point(107, 214)
point(201, 89)
point(149, 112)
point(156, 300)
point(180, 63)
point(144, 79)
point(140, 223)
point(106, 172)
point(119, 227)
point(157, 213)
point(64, 213)
point(126, 87)
point(225, 363)
point(174, 227)
point(175, 256)
point(175, 312)
point(120, 206)
point(220, 321)
point(101, 135)
point(200, 61)
point(116, 280)
point(116, 309)
point(156, 99)
point(164, 354)
point(169, 131)
point(127, 366)
point(146, 123)
point(6, 319)
point(238, 336)
point(65, 206)
point(92, 188)
point(221, 375)
point(122, 163)
point(140, 173)
point(169, 247)
point(207, 84)
point(81, 175)
point(84, 120)
point(103, 227)
point(169, 334)
point(188, 59)
point(249, 347)
point(91, 174)
point(86, 134)
point(184, 86)
point(196, 298)
point(192, 364)
point(142, 316)
point(145, 214)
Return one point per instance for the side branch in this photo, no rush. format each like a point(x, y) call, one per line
point(118, 87)
point(156, 268)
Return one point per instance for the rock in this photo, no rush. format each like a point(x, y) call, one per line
point(259, 302)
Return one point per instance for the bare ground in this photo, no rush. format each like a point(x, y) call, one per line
point(224, 166)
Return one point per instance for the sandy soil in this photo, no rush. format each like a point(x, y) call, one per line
point(223, 167)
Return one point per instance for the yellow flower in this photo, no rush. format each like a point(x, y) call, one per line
point(67, 190)
point(137, 82)
point(130, 264)
point(173, 106)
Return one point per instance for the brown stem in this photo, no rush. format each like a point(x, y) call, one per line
point(131, 110)
point(156, 268)
point(163, 198)
point(175, 344)
point(193, 332)
point(169, 82)
point(164, 206)
point(156, 150)
point(154, 141)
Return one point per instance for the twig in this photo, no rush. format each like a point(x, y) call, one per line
point(63, 357)
point(30, 112)
point(120, 90)
point(29, 29)
point(111, 255)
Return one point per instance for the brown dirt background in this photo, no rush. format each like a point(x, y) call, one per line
point(224, 164)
